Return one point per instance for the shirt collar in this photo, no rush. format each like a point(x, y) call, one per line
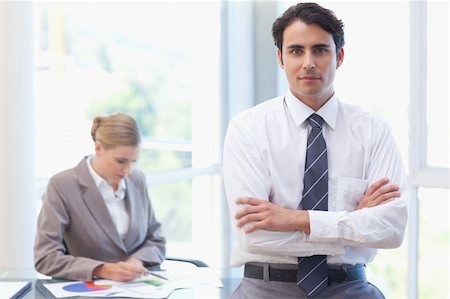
point(300, 112)
point(98, 179)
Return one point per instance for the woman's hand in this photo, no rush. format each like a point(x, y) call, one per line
point(121, 271)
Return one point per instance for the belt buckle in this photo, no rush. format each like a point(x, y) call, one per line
point(341, 275)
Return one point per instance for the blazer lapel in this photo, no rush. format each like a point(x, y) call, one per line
point(96, 205)
point(133, 212)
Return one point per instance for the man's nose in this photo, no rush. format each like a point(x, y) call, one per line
point(309, 61)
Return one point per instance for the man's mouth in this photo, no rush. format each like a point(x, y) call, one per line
point(309, 77)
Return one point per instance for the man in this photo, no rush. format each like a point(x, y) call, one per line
point(297, 171)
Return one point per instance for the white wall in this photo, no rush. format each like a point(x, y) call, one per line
point(17, 175)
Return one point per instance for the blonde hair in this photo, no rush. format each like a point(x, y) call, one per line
point(115, 130)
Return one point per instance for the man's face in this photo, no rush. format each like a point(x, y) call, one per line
point(309, 60)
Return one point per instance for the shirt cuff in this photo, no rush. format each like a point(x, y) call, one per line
point(324, 225)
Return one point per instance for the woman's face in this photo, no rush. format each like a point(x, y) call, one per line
point(116, 163)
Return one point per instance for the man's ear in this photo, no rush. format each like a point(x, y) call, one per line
point(280, 58)
point(340, 58)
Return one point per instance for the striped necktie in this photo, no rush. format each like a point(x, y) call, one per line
point(312, 271)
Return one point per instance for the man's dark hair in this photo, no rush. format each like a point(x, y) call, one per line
point(309, 13)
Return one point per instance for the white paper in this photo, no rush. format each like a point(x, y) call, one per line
point(148, 286)
point(9, 289)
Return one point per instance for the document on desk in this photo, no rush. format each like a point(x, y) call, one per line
point(153, 285)
point(14, 289)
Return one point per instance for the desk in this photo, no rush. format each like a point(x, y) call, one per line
point(230, 279)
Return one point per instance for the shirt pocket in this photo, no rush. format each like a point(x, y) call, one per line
point(346, 193)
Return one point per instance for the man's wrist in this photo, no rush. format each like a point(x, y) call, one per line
point(303, 222)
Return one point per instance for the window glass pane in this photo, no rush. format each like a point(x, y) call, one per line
point(164, 159)
point(375, 72)
point(155, 60)
point(389, 271)
point(190, 215)
point(438, 119)
point(148, 59)
point(434, 243)
point(173, 206)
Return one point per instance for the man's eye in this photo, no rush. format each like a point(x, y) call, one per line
point(321, 50)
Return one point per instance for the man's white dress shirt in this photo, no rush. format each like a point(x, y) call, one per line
point(264, 157)
point(115, 200)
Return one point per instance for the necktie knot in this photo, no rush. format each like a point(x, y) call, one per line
point(315, 121)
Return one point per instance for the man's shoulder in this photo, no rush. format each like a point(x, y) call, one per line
point(261, 110)
point(271, 104)
point(359, 115)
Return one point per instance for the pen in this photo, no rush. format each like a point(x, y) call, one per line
point(158, 275)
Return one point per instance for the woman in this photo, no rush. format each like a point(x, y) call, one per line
point(96, 219)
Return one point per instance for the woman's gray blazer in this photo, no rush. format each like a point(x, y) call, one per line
point(75, 232)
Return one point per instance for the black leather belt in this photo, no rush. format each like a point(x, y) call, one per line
point(346, 273)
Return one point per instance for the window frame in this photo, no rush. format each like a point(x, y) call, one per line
point(420, 174)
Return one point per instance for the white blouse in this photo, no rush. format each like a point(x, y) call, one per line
point(115, 200)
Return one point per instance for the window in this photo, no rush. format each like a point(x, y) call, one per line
point(156, 61)
point(431, 176)
point(438, 125)
point(434, 259)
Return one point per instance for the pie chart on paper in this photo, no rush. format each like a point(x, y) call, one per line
point(81, 287)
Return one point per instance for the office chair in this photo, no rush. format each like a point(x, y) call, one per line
point(195, 262)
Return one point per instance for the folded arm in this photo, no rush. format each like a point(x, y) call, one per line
point(263, 215)
point(246, 175)
point(378, 226)
point(263, 227)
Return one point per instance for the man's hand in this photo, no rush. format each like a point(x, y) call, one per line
point(379, 193)
point(266, 215)
point(121, 271)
